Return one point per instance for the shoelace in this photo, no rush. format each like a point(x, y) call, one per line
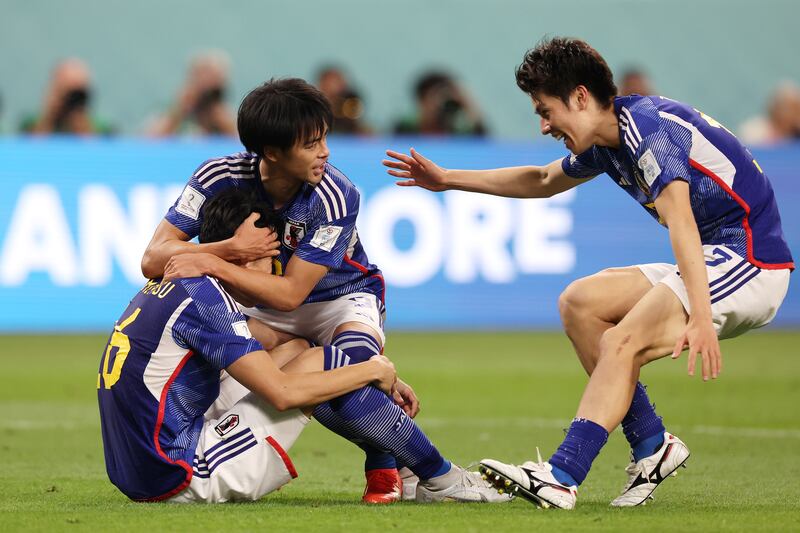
point(633, 470)
point(539, 465)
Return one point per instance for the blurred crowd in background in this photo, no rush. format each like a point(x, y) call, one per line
point(203, 105)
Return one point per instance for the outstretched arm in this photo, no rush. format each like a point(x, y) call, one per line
point(515, 182)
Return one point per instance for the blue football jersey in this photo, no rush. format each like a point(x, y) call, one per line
point(662, 140)
point(158, 375)
point(319, 223)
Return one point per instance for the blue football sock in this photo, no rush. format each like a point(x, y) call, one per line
point(445, 468)
point(369, 416)
point(647, 447)
point(563, 477)
point(642, 426)
point(581, 445)
point(358, 347)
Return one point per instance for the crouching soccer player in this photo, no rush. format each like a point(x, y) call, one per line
point(325, 289)
point(691, 175)
point(160, 374)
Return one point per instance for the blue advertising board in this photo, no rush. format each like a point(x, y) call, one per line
point(76, 215)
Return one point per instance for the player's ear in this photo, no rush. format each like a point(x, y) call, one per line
point(581, 96)
point(271, 153)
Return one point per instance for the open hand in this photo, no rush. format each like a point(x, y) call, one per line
point(250, 242)
point(189, 265)
point(701, 338)
point(416, 170)
point(406, 398)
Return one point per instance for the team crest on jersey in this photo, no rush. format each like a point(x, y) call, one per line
point(293, 233)
point(227, 424)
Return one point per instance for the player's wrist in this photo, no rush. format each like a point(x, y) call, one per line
point(226, 250)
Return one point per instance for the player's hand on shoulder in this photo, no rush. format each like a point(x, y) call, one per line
point(250, 242)
point(387, 375)
point(406, 398)
point(701, 339)
point(416, 170)
point(189, 265)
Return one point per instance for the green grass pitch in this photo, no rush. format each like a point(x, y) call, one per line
point(495, 395)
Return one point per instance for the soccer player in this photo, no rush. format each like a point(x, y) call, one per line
point(324, 288)
point(693, 177)
point(174, 427)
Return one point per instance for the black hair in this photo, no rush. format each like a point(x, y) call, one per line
point(557, 66)
point(225, 212)
point(282, 112)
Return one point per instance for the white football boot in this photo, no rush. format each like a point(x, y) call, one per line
point(533, 481)
point(648, 473)
point(458, 485)
point(410, 481)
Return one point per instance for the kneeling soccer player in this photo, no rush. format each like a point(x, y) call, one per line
point(160, 374)
point(692, 176)
point(325, 289)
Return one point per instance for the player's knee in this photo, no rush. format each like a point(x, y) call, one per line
point(618, 342)
point(573, 303)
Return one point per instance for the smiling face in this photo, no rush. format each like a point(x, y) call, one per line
point(305, 161)
point(572, 122)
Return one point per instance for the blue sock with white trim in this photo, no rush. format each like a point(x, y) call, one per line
point(368, 416)
point(357, 347)
point(580, 447)
point(642, 426)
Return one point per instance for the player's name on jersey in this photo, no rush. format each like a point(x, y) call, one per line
point(157, 288)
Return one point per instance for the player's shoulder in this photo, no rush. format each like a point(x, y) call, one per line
point(334, 177)
point(208, 296)
point(223, 171)
point(638, 115)
point(335, 195)
point(648, 113)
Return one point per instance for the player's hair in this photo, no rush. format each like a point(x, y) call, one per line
point(556, 66)
point(282, 112)
point(227, 210)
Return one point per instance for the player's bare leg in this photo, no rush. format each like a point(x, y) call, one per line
point(589, 306)
point(647, 332)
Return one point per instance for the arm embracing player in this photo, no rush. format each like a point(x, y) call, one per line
point(183, 220)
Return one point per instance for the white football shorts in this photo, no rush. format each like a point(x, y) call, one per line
point(743, 296)
point(242, 454)
point(317, 321)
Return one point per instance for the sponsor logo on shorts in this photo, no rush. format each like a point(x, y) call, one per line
point(227, 424)
point(293, 233)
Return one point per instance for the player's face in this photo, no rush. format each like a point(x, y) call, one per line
point(305, 161)
point(569, 123)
